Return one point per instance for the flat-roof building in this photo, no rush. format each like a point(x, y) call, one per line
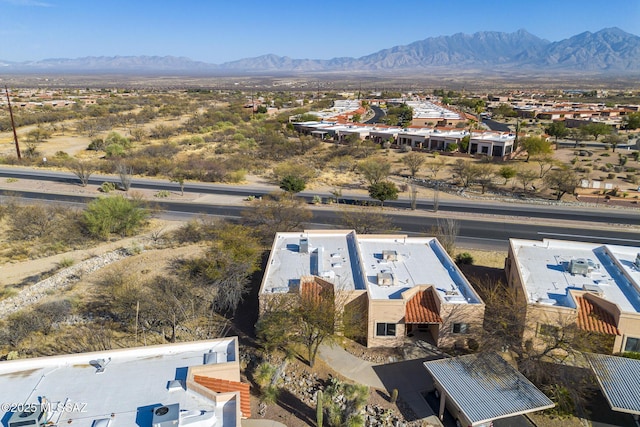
point(596, 287)
point(401, 286)
point(187, 384)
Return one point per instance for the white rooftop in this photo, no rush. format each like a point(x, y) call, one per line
point(493, 136)
point(353, 263)
point(429, 110)
point(133, 383)
point(545, 270)
point(330, 255)
point(418, 261)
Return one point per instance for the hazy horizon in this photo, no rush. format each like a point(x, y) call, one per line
point(34, 30)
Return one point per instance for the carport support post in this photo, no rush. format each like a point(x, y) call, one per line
point(443, 399)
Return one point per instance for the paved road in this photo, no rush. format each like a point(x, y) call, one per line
point(589, 214)
point(487, 233)
point(379, 113)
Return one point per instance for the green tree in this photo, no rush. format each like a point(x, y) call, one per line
point(504, 110)
point(596, 129)
point(577, 135)
point(557, 130)
point(292, 184)
point(383, 190)
point(399, 115)
point(534, 146)
point(631, 121)
point(563, 181)
point(507, 172)
point(614, 140)
point(374, 170)
point(116, 214)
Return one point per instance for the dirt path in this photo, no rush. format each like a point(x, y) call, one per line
point(31, 270)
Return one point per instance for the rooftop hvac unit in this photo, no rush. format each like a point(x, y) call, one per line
point(637, 263)
point(594, 289)
point(304, 245)
point(385, 279)
point(166, 416)
point(31, 417)
point(579, 266)
point(390, 255)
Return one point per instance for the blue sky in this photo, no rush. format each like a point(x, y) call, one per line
point(217, 31)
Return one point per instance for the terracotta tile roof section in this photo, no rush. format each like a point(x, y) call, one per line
point(592, 317)
point(421, 308)
point(225, 386)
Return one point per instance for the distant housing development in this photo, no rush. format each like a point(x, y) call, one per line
point(433, 128)
point(402, 287)
point(596, 287)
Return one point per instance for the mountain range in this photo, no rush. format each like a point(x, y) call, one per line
point(610, 50)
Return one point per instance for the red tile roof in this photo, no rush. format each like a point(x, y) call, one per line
point(225, 386)
point(592, 317)
point(421, 308)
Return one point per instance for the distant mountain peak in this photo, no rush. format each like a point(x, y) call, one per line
point(608, 50)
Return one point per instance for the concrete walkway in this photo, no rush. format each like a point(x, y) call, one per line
point(350, 366)
point(409, 377)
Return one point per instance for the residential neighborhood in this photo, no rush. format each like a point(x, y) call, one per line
point(221, 214)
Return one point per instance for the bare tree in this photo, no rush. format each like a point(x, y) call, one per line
point(83, 170)
point(436, 166)
point(526, 177)
point(484, 175)
point(414, 162)
point(413, 195)
point(125, 173)
point(546, 163)
point(466, 172)
point(563, 181)
point(366, 221)
point(446, 231)
point(274, 213)
point(179, 177)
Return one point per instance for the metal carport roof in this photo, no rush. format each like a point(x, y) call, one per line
point(485, 387)
point(619, 379)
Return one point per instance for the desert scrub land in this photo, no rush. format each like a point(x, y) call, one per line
point(217, 136)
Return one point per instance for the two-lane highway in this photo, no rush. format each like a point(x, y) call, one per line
point(510, 210)
point(487, 233)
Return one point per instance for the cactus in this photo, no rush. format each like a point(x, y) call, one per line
point(319, 412)
point(394, 396)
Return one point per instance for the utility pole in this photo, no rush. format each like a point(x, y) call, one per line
point(13, 124)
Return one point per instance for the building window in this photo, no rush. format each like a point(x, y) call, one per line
point(460, 328)
point(386, 329)
point(633, 344)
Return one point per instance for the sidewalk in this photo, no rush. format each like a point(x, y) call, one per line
point(350, 366)
point(409, 377)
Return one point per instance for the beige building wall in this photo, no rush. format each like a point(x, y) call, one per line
point(471, 315)
point(385, 311)
point(537, 314)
